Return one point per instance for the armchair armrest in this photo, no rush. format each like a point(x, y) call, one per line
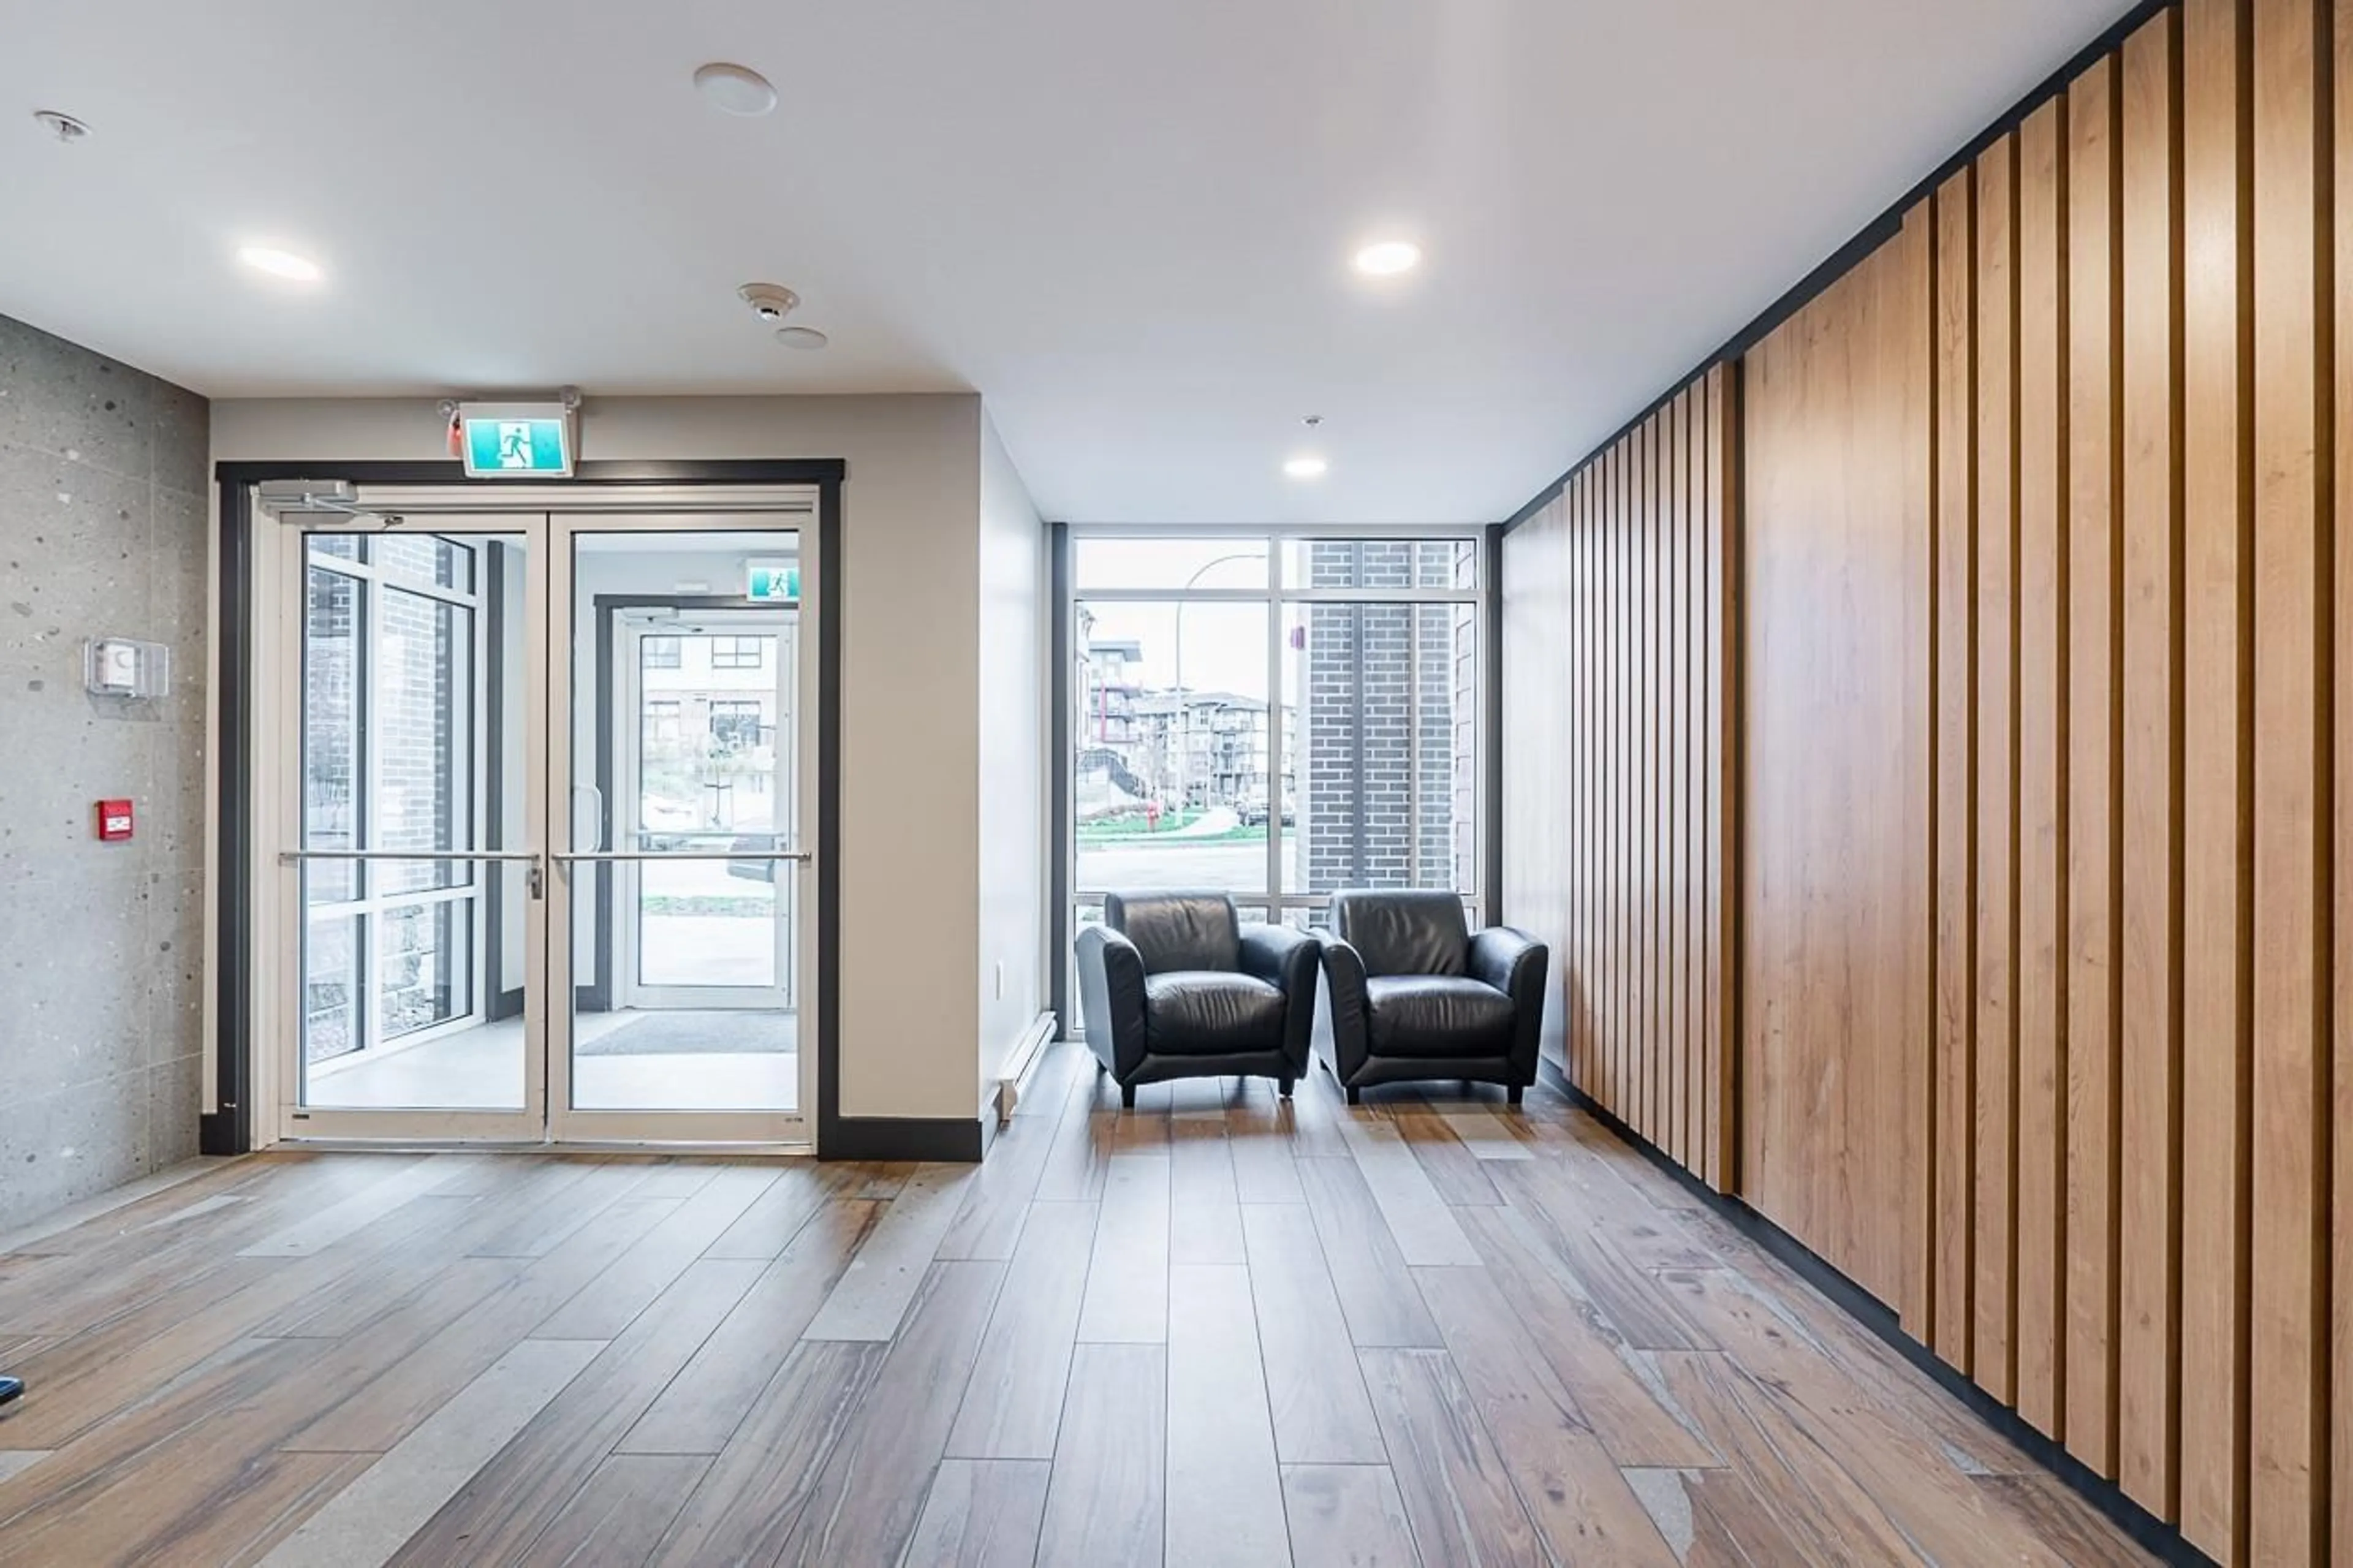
point(1286, 958)
point(1515, 964)
point(1111, 997)
point(1277, 953)
point(1344, 977)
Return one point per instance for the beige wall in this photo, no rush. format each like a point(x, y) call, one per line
point(911, 726)
point(1012, 799)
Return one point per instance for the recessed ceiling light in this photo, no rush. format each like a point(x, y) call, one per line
point(1306, 466)
point(801, 337)
point(734, 88)
point(1388, 257)
point(280, 263)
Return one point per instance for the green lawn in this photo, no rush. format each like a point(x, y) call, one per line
point(1131, 826)
point(1130, 831)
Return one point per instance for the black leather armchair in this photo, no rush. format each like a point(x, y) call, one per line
point(1416, 995)
point(1174, 985)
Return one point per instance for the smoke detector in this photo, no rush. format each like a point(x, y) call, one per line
point(62, 126)
point(772, 302)
point(734, 89)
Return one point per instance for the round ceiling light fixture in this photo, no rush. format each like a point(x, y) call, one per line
point(62, 126)
point(734, 89)
point(1306, 466)
point(1388, 257)
point(803, 338)
point(280, 263)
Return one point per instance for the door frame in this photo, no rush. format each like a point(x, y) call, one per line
point(283, 908)
point(572, 628)
point(618, 758)
point(240, 970)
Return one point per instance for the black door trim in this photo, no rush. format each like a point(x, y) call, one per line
point(229, 1129)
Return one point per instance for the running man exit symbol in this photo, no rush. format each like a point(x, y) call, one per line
point(516, 441)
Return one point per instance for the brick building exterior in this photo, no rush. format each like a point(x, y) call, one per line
point(1387, 719)
point(413, 715)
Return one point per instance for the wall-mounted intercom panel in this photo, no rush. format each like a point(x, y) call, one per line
point(122, 667)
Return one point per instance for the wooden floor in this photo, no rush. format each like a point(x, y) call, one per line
point(1216, 1330)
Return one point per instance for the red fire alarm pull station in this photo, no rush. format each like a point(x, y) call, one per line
point(114, 820)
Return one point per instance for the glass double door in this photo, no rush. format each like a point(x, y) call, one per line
point(548, 851)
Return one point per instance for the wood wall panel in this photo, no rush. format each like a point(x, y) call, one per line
point(1614, 525)
point(1675, 533)
point(2095, 745)
point(1996, 999)
point(2292, 567)
point(1646, 534)
point(1642, 700)
point(2341, 861)
point(2151, 516)
point(2001, 588)
point(1584, 961)
point(2042, 581)
point(1953, 1046)
point(2217, 489)
point(1833, 777)
point(1650, 702)
point(1574, 967)
point(1720, 911)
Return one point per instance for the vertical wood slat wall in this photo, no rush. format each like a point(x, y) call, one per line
point(2065, 466)
point(1636, 547)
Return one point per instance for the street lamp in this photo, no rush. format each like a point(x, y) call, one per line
point(1185, 709)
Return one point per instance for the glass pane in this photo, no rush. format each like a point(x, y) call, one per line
point(331, 733)
point(1169, 566)
point(707, 720)
point(685, 726)
point(1445, 563)
point(421, 727)
point(1172, 747)
point(424, 951)
point(331, 989)
point(1385, 699)
point(413, 722)
point(444, 563)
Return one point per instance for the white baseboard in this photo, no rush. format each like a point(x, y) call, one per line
point(1020, 1062)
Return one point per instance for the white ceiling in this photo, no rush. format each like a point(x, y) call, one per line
point(1127, 223)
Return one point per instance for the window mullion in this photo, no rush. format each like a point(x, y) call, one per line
point(1278, 735)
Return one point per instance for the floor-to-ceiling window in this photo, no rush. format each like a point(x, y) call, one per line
point(390, 710)
point(1276, 716)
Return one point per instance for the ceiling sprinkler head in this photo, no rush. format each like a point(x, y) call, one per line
point(772, 302)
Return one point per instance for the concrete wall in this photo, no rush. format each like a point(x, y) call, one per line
point(1014, 692)
point(102, 532)
point(911, 620)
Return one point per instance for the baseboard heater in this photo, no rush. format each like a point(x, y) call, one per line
point(1020, 1063)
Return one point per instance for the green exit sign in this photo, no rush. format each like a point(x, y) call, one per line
point(772, 583)
point(507, 441)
